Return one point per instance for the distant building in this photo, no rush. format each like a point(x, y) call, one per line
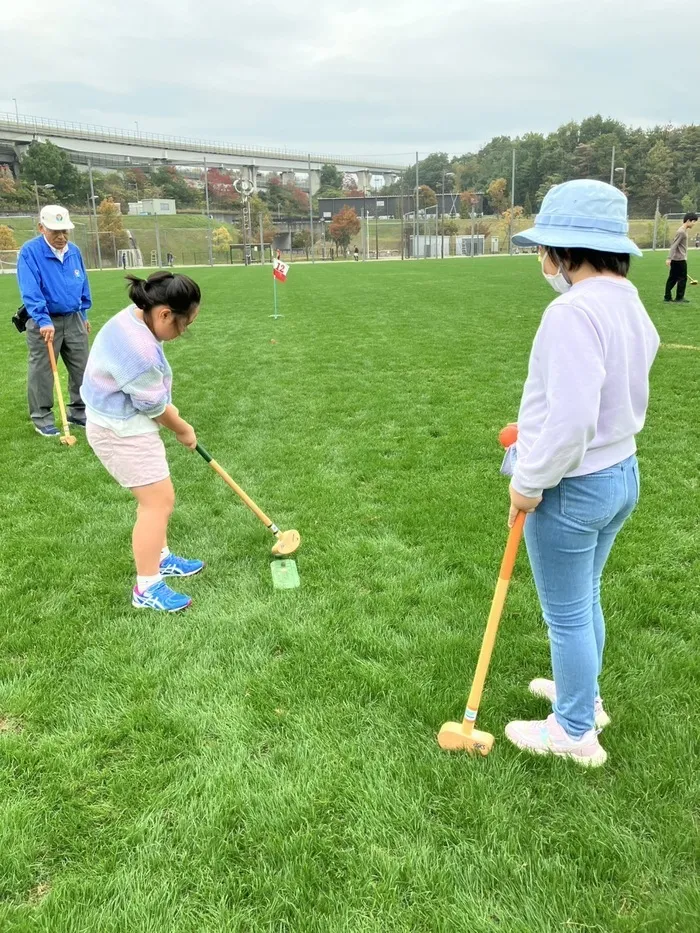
point(153, 206)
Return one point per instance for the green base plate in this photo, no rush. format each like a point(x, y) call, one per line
point(285, 575)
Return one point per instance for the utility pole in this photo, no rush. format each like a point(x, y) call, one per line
point(471, 245)
point(512, 207)
point(206, 196)
point(612, 168)
point(415, 214)
point(311, 213)
point(656, 223)
point(158, 253)
point(94, 212)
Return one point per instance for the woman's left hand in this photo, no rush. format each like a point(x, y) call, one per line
point(520, 503)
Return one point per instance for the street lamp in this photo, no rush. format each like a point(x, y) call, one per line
point(136, 124)
point(16, 109)
point(36, 192)
point(442, 241)
point(623, 169)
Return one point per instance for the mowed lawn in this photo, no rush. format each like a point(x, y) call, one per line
point(267, 761)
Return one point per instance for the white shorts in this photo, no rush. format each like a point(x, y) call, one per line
point(133, 461)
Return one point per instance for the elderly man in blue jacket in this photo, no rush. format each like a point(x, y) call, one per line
point(55, 291)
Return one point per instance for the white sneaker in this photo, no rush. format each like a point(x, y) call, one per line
point(540, 687)
point(548, 738)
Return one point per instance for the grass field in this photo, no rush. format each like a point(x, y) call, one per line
point(267, 761)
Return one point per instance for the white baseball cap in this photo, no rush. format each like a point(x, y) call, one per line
point(54, 217)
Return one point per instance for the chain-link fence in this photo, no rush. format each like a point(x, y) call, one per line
point(167, 245)
point(192, 240)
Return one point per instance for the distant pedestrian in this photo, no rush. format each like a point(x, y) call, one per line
point(678, 261)
point(356, 255)
point(171, 260)
point(54, 288)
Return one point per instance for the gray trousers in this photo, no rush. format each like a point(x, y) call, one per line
point(71, 345)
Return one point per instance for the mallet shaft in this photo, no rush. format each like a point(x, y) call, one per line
point(499, 599)
point(237, 489)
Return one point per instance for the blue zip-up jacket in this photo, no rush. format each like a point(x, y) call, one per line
point(49, 286)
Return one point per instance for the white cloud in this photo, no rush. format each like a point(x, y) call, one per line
point(381, 78)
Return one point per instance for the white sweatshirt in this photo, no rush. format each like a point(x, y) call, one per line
point(587, 389)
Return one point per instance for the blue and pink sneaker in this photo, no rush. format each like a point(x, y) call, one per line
point(172, 566)
point(161, 597)
point(540, 687)
point(546, 737)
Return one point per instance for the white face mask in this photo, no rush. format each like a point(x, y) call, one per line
point(559, 282)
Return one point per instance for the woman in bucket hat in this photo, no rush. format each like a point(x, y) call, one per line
point(576, 471)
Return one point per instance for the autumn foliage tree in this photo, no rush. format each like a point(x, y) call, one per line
point(344, 226)
point(467, 202)
point(496, 193)
point(302, 240)
point(258, 209)
point(111, 226)
point(7, 238)
point(221, 238)
point(350, 189)
point(426, 197)
point(517, 212)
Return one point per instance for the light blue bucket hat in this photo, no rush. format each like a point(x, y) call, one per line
point(584, 213)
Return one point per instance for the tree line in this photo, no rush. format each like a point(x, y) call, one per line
point(660, 163)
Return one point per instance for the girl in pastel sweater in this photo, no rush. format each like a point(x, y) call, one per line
point(127, 392)
point(576, 468)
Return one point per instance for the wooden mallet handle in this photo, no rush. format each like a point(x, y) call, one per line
point(499, 599)
point(236, 488)
point(57, 385)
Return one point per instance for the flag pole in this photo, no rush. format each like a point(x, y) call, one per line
point(274, 291)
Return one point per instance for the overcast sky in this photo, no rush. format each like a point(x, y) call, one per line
point(382, 79)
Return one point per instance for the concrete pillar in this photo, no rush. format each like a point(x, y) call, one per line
point(249, 173)
point(363, 179)
point(314, 183)
point(288, 178)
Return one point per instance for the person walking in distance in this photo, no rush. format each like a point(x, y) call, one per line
point(678, 261)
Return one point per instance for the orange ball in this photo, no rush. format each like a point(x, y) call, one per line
point(508, 435)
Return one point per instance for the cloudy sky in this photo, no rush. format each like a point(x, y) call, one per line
point(382, 79)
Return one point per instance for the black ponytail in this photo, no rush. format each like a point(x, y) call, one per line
point(177, 292)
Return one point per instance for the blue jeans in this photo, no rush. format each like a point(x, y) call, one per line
point(569, 539)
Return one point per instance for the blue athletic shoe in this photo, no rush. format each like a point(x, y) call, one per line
point(173, 566)
point(47, 430)
point(161, 597)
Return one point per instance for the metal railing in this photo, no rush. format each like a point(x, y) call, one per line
point(45, 126)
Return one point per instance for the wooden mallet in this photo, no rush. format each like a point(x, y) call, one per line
point(66, 438)
point(462, 736)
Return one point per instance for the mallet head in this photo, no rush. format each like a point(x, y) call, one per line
point(453, 738)
point(287, 543)
point(69, 440)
